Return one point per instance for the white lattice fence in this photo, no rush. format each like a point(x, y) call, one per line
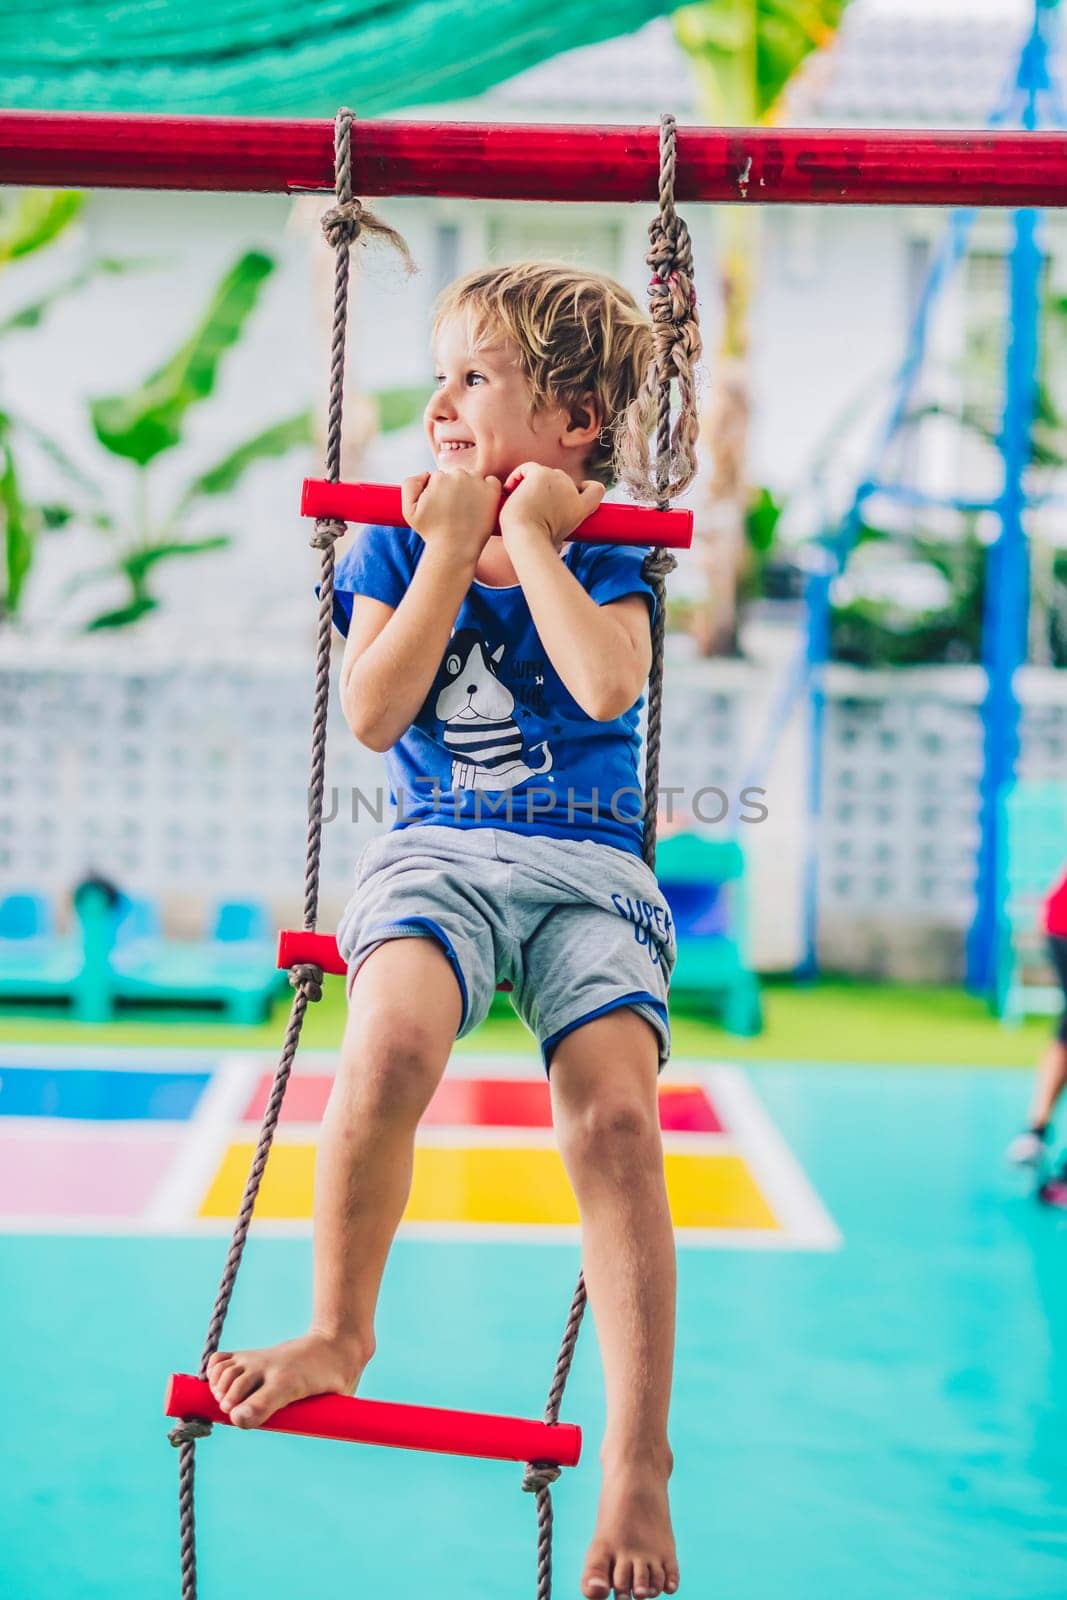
point(185, 777)
point(902, 760)
point(899, 832)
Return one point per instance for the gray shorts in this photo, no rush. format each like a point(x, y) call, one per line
point(576, 928)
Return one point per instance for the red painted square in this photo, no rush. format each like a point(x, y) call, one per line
point(491, 1103)
point(687, 1109)
point(486, 1103)
point(305, 1098)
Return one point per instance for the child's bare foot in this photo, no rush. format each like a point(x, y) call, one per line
point(251, 1385)
point(632, 1552)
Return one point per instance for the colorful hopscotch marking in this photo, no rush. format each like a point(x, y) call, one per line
point(486, 1165)
point(98, 1140)
point(119, 1141)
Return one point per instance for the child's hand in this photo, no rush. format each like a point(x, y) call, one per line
point(545, 503)
point(457, 509)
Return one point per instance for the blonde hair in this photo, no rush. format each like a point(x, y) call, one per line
point(577, 332)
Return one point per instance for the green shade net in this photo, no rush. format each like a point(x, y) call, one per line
point(285, 57)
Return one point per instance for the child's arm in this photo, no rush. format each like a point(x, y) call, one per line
point(603, 653)
point(392, 653)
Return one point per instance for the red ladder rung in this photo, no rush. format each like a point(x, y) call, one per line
point(609, 524)
point(342, 1416)
point(296, 945)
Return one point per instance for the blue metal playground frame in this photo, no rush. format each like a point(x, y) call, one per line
point(1031, 100)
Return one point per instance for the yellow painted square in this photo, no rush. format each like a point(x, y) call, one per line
point(497, 1184)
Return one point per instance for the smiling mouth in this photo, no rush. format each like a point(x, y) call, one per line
point(451, 449)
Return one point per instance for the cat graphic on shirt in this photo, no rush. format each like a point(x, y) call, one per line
point(480, 732)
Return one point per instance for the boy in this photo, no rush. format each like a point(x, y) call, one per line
point(502, 678)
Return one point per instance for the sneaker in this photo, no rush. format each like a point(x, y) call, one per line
point(1027, 1149)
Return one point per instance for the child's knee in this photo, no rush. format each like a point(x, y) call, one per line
point(392, 1063)
point(609, 1129)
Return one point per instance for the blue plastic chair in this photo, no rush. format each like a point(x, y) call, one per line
point(703, 881)
point(26, 916)
point(239, 922)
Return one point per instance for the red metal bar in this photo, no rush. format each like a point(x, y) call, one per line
point(609, 524)
point(341, 1416)
point(839, 166)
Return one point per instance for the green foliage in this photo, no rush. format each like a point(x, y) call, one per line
point(30, 316)
point(143, 424)
point(136, 564)
point(277, 440)
point(399, 408)
point(123, 616)
point(140, 426)
point(30, 219)
point(761, 531)
point(878, 632)
point(746, 51)
point(18, 522)
point(1058, 610)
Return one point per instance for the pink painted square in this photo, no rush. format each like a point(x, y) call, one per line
point(94, 1176)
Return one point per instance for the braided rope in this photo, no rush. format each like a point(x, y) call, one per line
point(677, 347)
point(342, 225)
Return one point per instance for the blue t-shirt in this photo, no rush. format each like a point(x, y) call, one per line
point(499, 741)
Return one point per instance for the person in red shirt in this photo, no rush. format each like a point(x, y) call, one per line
point(1028, 1148)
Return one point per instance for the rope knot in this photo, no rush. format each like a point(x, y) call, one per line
point(327, 531)
point(343, 223)
point(539, 1475)
point(658, 563)
point(188, 1431)
point(307, 977)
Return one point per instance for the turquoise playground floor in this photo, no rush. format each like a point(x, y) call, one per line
point(874, 1407)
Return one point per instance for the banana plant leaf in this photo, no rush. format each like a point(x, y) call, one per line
point(277, 440)
point(744, 52)
point(138, 563)
point(124, 615)
point(18, 529)
point(399, 408)
point(33, 218)
point(54, 516)
point(141, 425)
point(51, 449)
point(33, 314)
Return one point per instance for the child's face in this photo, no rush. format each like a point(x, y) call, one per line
point(482, 403)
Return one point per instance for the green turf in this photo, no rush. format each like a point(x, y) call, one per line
point(835, 1020)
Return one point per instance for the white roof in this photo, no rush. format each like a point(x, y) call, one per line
point(944, 65)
